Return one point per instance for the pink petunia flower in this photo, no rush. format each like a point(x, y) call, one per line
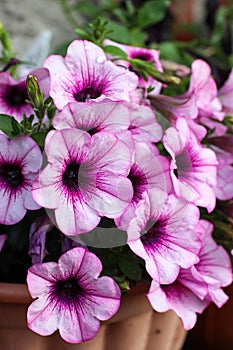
point(20, 161)
point(148, 172)
point(193, 167)
point(178, 298)
point(13, 93)
point(197, 286)
point(225, 94)
point(203, 86)
point(214, 267)
point(37, 239)
point(198, 105)
point(168, 240)
point(224, 188)
point(71, 297)
point(110, 116)
point(144, 54)
point(85, 74)
point(86, 178)
point(106, 115)
point(143, 124)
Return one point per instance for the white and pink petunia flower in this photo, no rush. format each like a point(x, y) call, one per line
point(71, 297)
point(224, 188)
point(86, 178)
point(20, 161)
point(180, 299)
point(85, 74)
point(197, 286)
point(203, 86)
point(214, 267)
point(143, 124)
point(225, 94)
point(144, 54)
point(168, 240)
point(13, 93)
point(107, 115)
point(148, 172)
point(193, 167)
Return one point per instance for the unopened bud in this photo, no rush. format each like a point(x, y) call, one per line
point(34, 92)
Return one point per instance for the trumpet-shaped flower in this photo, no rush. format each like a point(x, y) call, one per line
point(85, 74)
point(168, 240)
point(193, 167)
point(197, 286)
point(20, 161)
point(225, 94)
point(143, 54)
point(102, 116)
point(178, 298)
point(71, 297)
point(86, 178)
point(13, 93)
point(148, 172)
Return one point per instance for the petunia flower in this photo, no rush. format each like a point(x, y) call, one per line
point(106, 115)
point(13, 93)
point(198, 105)
point(168, 240)
point(144, 54)
point(203, 86)
point(193, 167)
point(71, 297)
point(86, 178)
point(197, 286)
point(224, 188)
point(85, 74)
point(37, 238)
point(214, 267)
point(20, 161)
point(110, 116)
point(180, 299)
point(143, 124)
point(225, 94)
point(148, 172)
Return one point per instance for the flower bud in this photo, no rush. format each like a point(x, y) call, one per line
point(34, 92)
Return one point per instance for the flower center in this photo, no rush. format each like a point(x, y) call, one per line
point(144, 56)
point(139, 182)
point(16, 95)
point(155, 232)
point(71, 176)
point(66, 291)
point(184, 164)
point(87, 94)
point(11, 174)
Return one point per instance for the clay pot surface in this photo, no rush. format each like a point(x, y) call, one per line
point(135, 327)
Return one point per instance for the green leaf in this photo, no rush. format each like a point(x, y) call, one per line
point(9, 125)
point(39, 137)
point(131, 268)
point(152, 12)
point(115, 51)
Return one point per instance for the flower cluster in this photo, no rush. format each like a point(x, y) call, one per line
point(123, 160)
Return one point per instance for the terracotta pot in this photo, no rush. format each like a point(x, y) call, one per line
point(135, 327)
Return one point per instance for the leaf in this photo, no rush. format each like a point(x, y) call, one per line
point(131, 268)
point(9, 125)
point(152, 12)
point(39, 137)
point(115, 51)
